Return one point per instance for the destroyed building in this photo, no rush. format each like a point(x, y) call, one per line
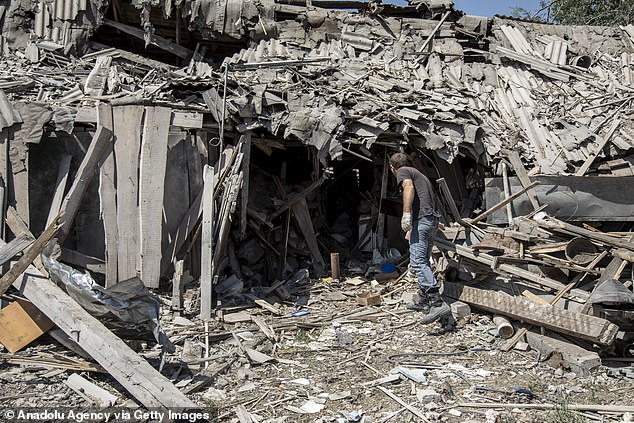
point(231, 149)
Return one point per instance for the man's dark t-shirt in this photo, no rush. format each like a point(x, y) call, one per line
point(424, 203)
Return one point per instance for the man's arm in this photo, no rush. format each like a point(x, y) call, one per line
point(408, 195)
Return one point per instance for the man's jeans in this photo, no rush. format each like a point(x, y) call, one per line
point(420, 244)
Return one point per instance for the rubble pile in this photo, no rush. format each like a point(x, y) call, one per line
point(232, 171)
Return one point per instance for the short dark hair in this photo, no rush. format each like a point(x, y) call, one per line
point(398, 160)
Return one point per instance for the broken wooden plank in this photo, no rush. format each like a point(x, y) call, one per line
point(60, 187)
point(87, 169)
point(568, 322)
point(160, 42)
point(133, 372)
point(206, 244)
point(490, 261)
point(297, 198)
point(82, 260)
point(152, 164)
point(415, 411)
point(16, 246)
point(502, 203)
point(108, 198)
point(556, 224)
point(27, 258)
point(305, 223)
point(187, 120)
point(522, 174)
point(127, 130)
point(602, 143)
point(578, 359)
point(20, 324)
point(97, 394)
point(244, 203)
point(19, 227)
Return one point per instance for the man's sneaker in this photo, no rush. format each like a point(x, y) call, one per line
point(438, 308)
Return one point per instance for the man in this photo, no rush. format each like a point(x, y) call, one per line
point(420, 219)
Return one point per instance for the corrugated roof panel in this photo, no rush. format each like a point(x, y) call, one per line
point(62, 10)
point(8, 115)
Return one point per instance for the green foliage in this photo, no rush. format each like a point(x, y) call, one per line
point(581, 12)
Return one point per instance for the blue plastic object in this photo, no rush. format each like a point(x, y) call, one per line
point(388, 267)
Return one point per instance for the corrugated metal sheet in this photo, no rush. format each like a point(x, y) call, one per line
point(52, 18)
point(266, 51)
point(8, 115)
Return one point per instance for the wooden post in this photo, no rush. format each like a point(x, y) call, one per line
point(334, 265)
point(108, 198)
point(177, 288)
point(206, 244)
point(507, 193)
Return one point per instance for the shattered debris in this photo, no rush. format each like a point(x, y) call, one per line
point(229, 148)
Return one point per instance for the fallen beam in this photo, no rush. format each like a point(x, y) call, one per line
point(568, 322)
point(25, 261)
point(577, 359)
point(133, 372)
point(490, 261)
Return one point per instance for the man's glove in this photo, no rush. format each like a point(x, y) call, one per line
point(406, 221)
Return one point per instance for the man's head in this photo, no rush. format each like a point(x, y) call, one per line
point(397, 161)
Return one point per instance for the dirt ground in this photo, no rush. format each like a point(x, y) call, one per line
point(327, 366)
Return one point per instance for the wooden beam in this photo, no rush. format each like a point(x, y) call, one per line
point(206, 244)
point(502, 203)
point(87, 169)
point(152, 164)
point(380, 226)
point(556, 224)
point(244, 203)
point(27, 258)
point(568, 322)
point(19, 228)
point(160, 42)
point(490, 261)
point(133, 372)
point(522, 175)
point(16, 246)
point(297, 198)
point(87, 262)
point(602, 142)
point(60, 187)
point(108, 198)
point(305, 223)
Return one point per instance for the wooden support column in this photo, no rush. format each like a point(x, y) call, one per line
point(244, 204)
point(380, 227)
point(152, 162)
point(177, 288)
point(127, 129)
point(108, 198)
point(334, 265)
point(206, 245)
point(305, 223)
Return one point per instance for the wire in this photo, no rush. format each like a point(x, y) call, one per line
point(394, 358)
